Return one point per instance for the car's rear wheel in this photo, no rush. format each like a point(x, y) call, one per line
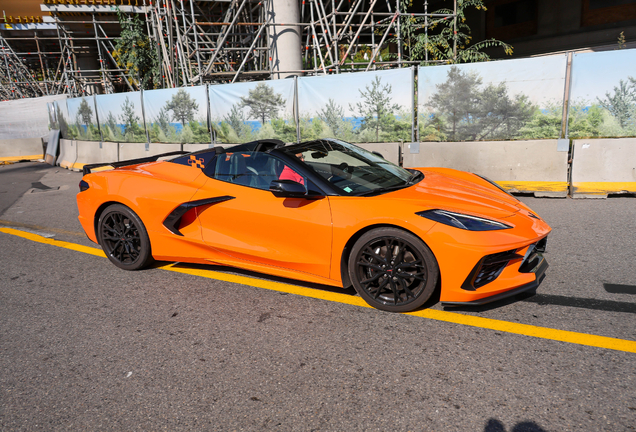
point(123, 237)
point(393, 270)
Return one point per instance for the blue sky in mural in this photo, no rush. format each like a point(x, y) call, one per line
point(541, 79)
point(594, 74)
point(344, 89)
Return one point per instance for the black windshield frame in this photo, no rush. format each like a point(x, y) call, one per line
point(394, 177)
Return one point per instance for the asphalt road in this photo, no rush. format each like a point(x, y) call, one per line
point(86, 346)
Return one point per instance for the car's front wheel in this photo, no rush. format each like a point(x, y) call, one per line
point(393, 270)
point(123, 237)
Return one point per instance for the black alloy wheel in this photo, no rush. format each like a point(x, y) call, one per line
point(123, 237)
point(393, 270)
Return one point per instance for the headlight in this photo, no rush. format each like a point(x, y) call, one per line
point(463, 221)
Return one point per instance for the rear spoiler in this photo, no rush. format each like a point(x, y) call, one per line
point(87, 169)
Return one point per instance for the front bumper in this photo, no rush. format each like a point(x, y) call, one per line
point(538, 271)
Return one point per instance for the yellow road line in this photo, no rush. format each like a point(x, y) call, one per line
point(52, 242)
point(451, 317)
point(530, 330)
point(40, 228)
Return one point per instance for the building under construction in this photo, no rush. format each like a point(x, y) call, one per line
point(70, 46)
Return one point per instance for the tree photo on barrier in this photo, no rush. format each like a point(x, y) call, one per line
point(361, 107)
point(177, 115)
point(603, 95)
point(58, 115)
point(120, 117)
point(504, 100)
point(82, 123)
point(244, 112)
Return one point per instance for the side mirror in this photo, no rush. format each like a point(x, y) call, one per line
point(290, 189)
point(377, 153)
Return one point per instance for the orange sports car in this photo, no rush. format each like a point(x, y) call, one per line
point(323, 211)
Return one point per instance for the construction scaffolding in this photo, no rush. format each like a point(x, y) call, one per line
point(199, 42)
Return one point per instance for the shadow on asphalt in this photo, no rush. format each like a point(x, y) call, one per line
point(553, 300)
point(262, 276)
point(495, 425)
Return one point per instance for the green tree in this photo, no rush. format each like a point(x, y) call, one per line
point(163, 123)
point(132, 130)
point(474, 114)
point(376, 107)
point(182, 106)
point(397, 127)
point(621, 104)
point(135, 51)
point(263, 103)
point(154, 133)
point(585, 121)
point(431, 129)
point(62, 121)
point(544, 123)
point(456, 101)
point(200, 133)
point(333, 115)
point(85, 112)
point(111, 122)
point(501, 116)
point(284, 130)
point(236, 120)
point(442, 42)
point(78, 130)
point(110, 129)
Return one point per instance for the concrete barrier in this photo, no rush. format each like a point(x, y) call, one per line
point(603, 166)
point(534, 166)
point(197, 147)
point(68, 154)
point(91, 152)
point(18, 149)
point(138, 150)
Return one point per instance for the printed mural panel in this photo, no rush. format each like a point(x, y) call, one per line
point(58, 117)
point(243, 112)
point(82, 121)
point(120, 117)
point(603, 95)
point(498, 100)
point(177, 115)
point(357, 107)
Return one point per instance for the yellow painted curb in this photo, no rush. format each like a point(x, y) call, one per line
point(20, 158)
point(534, 186)
point(603, 188)
point(450, 317)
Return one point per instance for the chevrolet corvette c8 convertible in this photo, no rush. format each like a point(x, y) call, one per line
point(323, 211)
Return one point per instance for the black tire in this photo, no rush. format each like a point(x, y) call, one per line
point(124, 238)
point(393, 270)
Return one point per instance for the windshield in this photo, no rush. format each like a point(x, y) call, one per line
point(351, 169)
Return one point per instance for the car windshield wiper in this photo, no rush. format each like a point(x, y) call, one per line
point(416, 177)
